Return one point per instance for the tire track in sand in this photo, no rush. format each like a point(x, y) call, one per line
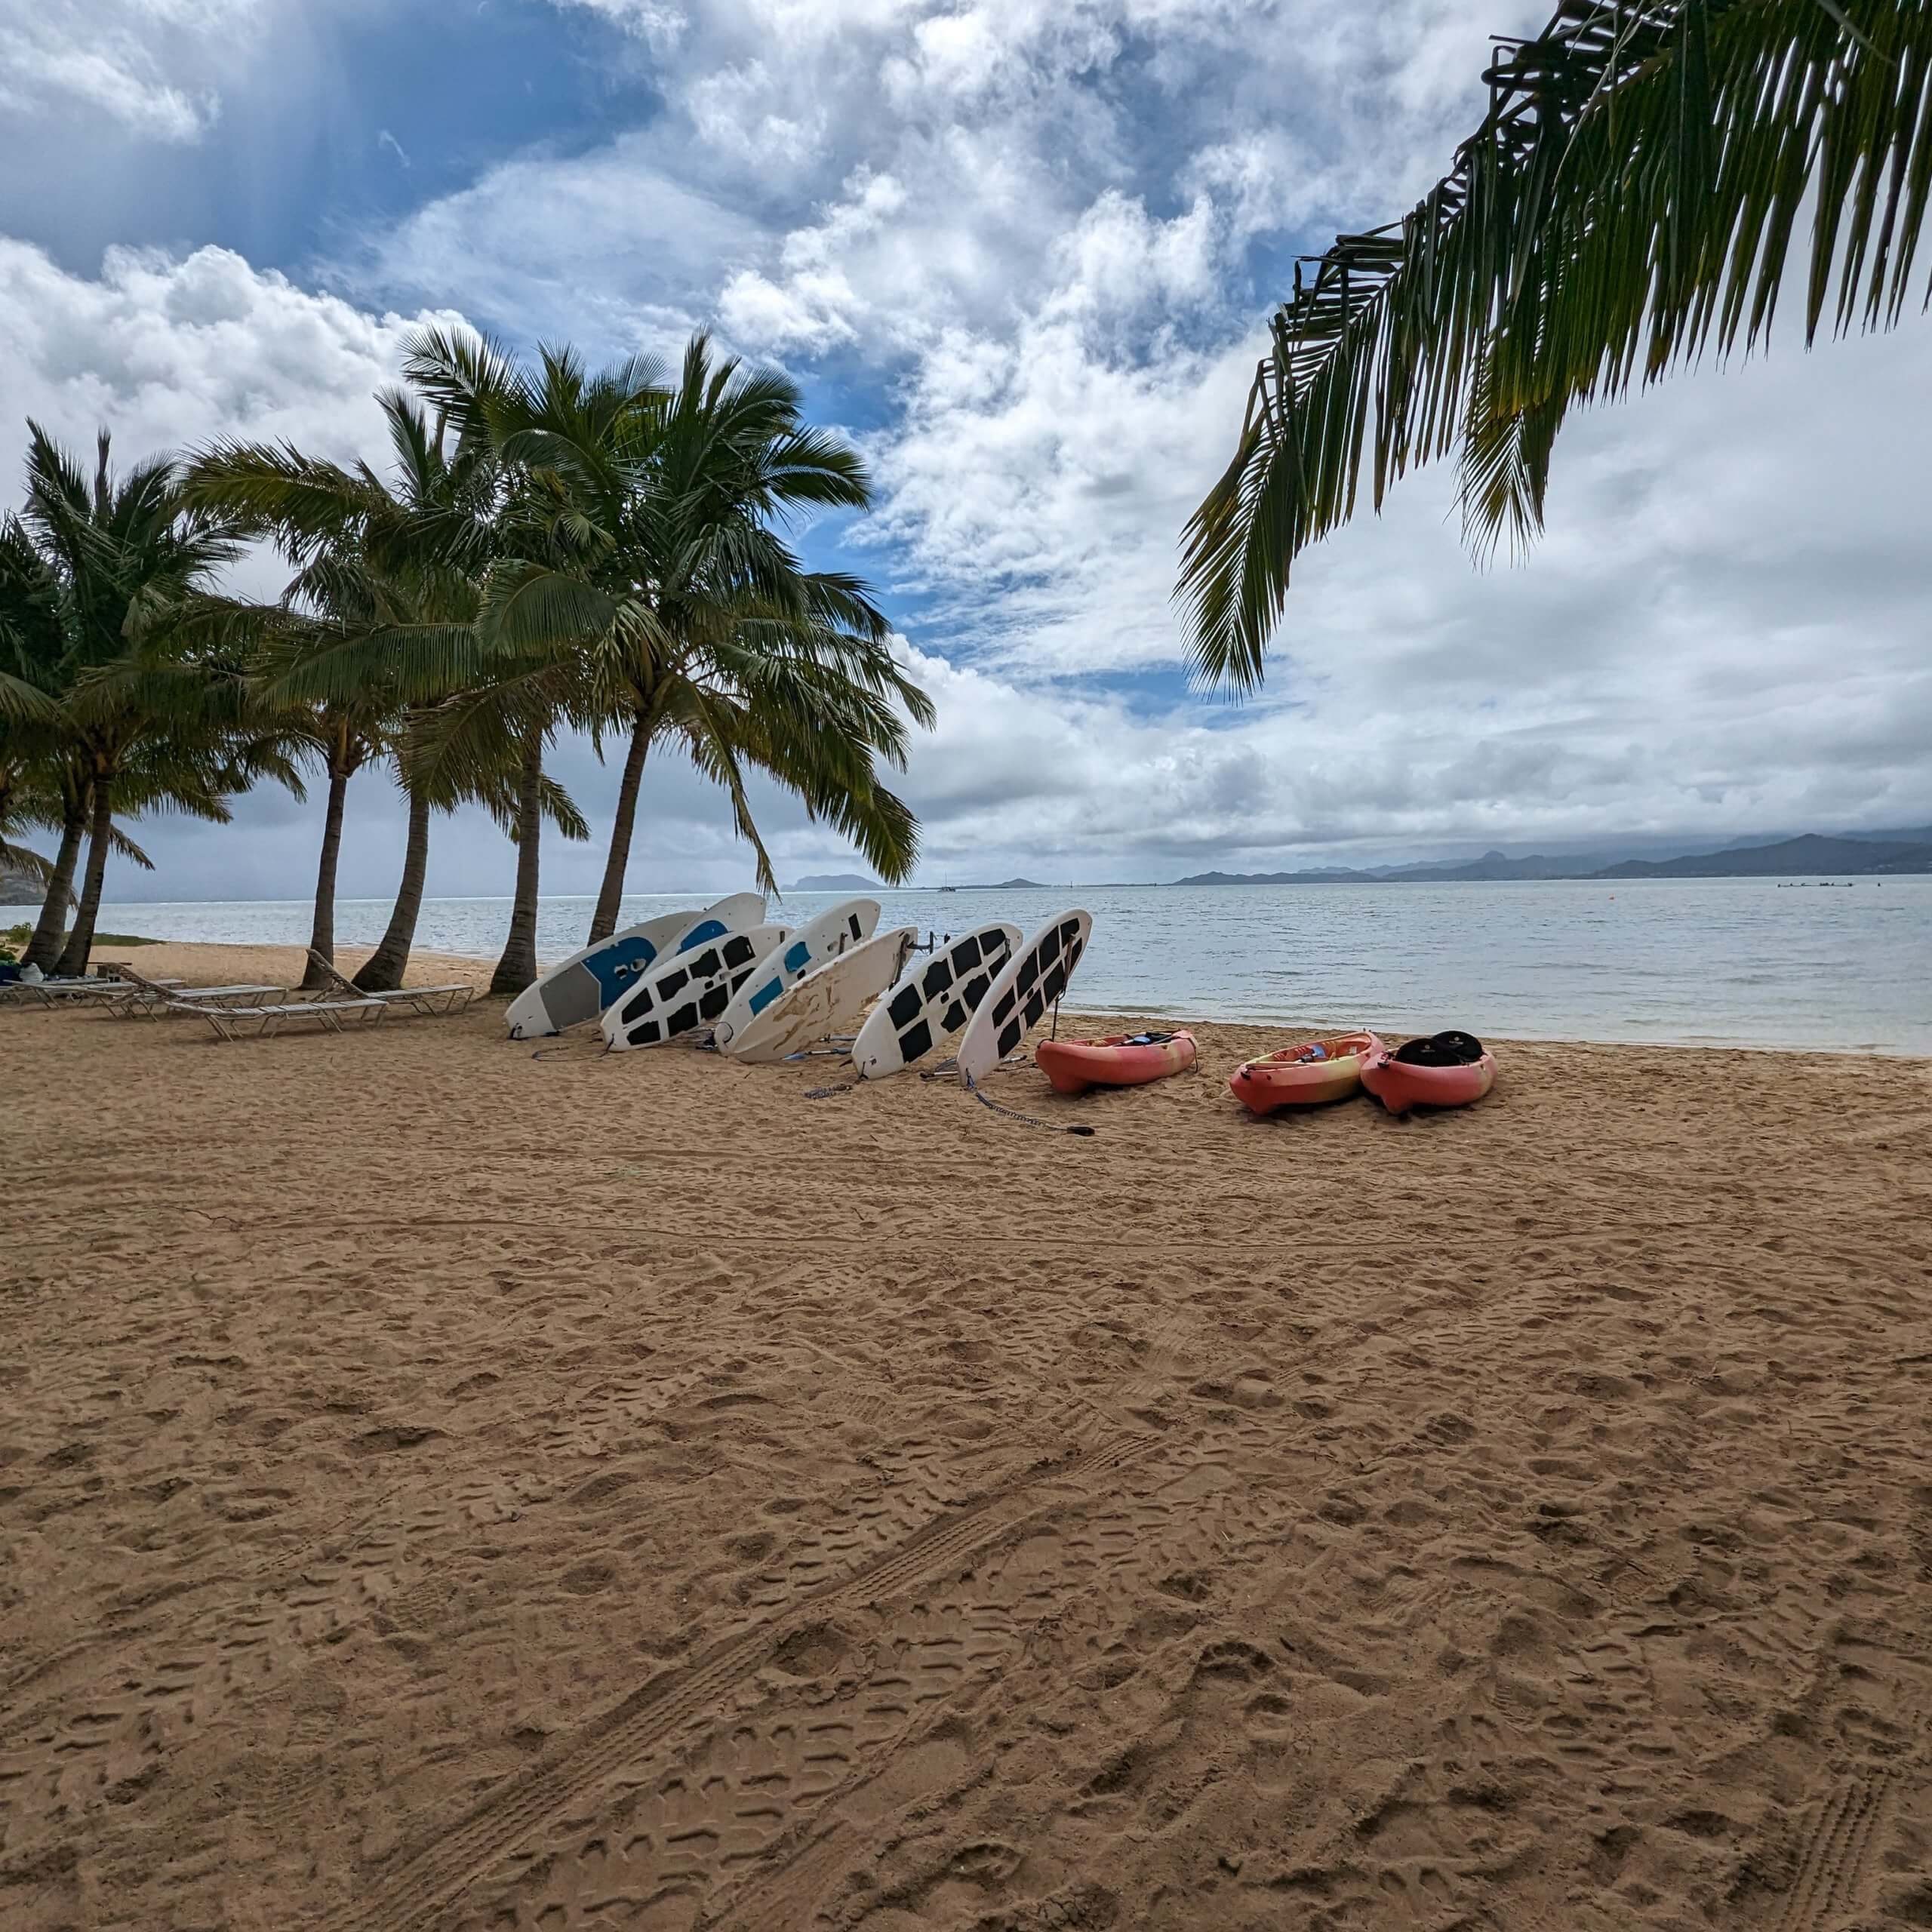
point(1842, 1830)
point(424, 1886)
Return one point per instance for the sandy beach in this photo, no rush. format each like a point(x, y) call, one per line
point(448, 1485)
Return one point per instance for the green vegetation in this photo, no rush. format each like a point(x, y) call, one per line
point(15, 937)
point(1629, 202)
point(553, 548)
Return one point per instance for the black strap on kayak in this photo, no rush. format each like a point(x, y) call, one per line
point(1448, 1049)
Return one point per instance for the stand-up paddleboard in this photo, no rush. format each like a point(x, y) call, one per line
point(1034, 979)
point(828, 1000)
point(837, 930)
point(688, 991)
point(936, 998)
point(579, 988)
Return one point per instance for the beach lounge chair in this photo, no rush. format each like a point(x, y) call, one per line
point(428, 1001)
point(259, 1022)
point(155, 997)
point(49, 993)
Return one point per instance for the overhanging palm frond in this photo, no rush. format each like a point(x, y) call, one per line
point(309, 503)
point(467, 377)
point(1630, 200)
point(24, 702)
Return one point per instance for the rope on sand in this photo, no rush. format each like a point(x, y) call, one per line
point(1026, 1120)
point(568, 1051)
point(1013, 1113)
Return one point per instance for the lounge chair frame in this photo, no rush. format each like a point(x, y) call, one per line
point(49, 994)
point(262, 1022)
point(154, 1000)
point(432, 1002)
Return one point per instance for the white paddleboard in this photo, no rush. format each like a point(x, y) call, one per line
point(578, 989)
point(688, 991)
point(1035, 977)
point(836, 930)
point(935, 997)
point(828, 1000)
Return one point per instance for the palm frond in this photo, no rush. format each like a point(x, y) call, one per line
point(1630, 202)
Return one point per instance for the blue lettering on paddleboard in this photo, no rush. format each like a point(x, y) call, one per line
point(711, 929)
point(766, 994)
point(798, 957)
point(615, 967)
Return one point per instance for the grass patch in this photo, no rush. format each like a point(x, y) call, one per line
point(19, 936)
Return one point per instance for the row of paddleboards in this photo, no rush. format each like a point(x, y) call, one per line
point(764, 992)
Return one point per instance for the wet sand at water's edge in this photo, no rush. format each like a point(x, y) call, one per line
point(445, 1485)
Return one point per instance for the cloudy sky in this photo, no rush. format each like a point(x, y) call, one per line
point(1022, 250)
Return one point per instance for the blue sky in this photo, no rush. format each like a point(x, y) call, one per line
point(1023, 252)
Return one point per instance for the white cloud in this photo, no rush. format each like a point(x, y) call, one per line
point(602, 249)
point(169, 351)
point(662, 27)
point(150, 66)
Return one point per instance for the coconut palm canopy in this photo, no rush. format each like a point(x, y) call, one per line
point(566, 548)
point(1648, 181)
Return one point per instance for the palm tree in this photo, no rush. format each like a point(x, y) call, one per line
point(343, 735)
point(33, 794)
point(1629, 200)
point(385, 594)
point(131, 712)
point(641, 545)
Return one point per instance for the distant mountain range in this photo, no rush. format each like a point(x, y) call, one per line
point(858, 882)
point(1848, 855)
point(19, 888)
point(1790, 857)
point(1854, 854)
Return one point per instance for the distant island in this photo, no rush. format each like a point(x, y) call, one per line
point(19, 888)
point(1860, 857)
point(838, 882)
point(1858, 854)
point(1490, 866)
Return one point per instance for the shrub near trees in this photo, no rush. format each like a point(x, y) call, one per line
point(552, 549)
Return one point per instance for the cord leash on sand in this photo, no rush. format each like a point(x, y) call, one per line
point(1026, 1120)
point(567, 1051)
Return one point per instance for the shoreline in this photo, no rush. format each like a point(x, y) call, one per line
point(220, 962)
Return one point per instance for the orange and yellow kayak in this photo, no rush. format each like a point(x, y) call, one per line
point(1309, 1074)
point(1121, 1059)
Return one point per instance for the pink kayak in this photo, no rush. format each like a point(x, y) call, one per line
point(1121, 1059)
point(1444, 1070)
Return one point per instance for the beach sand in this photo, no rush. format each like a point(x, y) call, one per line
point(445, 1483)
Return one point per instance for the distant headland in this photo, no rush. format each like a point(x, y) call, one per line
point(1855, 854)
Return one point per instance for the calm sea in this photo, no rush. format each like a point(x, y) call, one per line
point(1699, 961)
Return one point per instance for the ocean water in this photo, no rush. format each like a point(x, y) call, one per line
point(1691, 961)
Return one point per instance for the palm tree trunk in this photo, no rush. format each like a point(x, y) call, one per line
point(321, 937)
point(80, 941)
point(44, 949)
point(518, 967)
point(610, 894)
point(382, 971)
